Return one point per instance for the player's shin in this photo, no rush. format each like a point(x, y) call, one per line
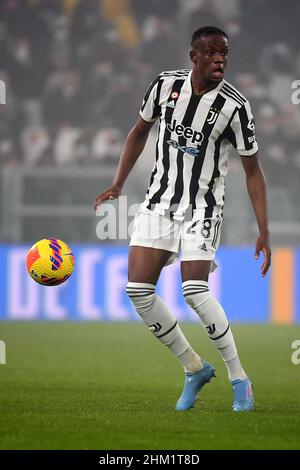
point(162, 323)
point(215, 322)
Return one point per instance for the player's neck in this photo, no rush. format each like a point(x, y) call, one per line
point(200, 86)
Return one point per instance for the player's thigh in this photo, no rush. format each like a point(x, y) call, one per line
point(145, 264)
point(197, 270)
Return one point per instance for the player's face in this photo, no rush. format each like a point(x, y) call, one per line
point(210, 56)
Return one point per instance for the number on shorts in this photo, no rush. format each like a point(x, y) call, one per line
point(206, 228)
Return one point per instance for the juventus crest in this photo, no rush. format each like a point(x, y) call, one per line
point(213, 115)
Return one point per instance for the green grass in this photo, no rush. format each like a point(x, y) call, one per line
point(113, 386)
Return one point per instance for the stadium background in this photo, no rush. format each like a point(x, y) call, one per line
point(75, 73)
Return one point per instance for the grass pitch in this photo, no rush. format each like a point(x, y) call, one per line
point(113, 386)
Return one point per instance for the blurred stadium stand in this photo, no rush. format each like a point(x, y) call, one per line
point(76, 71)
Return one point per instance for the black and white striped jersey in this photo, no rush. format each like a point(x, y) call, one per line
point(195, 136)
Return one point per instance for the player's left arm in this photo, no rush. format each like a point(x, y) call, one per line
point(256, 185)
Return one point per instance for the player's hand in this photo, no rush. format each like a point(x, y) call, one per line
point(113, 192)
point(263, 244)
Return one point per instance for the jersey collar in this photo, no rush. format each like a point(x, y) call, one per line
point(190, 89)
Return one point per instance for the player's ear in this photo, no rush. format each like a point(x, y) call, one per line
point(193, 56)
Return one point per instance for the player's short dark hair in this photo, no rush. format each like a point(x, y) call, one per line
point(207, 31)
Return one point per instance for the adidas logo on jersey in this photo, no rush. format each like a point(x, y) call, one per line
point(171, 104)
point(203, 247)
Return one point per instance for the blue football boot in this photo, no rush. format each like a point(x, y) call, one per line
point(192, 386)
point(243, 398)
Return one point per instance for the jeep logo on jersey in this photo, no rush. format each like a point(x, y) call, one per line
point(186, 132)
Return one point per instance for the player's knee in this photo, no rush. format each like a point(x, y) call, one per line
point(196, 295)
point(141, 295)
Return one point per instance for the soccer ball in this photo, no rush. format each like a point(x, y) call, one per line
point(50, 262)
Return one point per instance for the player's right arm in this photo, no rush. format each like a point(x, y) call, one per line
point(135, 141)
point(134, 145)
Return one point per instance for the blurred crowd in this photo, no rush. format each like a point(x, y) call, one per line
point(76, 71)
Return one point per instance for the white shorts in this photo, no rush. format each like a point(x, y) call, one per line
point(197, 239)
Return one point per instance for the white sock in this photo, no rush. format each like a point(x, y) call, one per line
point(162, 323)
point(215, 322)
point(234, 369)
point(190, 360)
